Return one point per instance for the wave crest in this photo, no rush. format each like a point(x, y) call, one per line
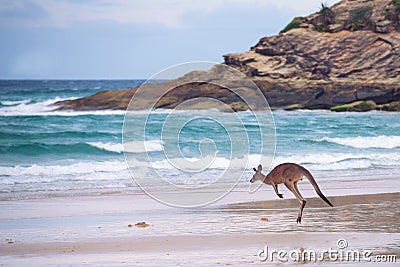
point(14, 103)
point(381, 141)
point(46, 108)
point(130, 147)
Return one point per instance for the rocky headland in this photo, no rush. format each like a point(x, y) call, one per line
point(344, 58)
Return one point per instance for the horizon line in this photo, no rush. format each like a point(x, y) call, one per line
point(74, 79)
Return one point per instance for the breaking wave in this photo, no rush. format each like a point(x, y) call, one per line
point(382, 141)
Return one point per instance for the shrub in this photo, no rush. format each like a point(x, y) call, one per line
point(294, 24)
point(360, 18)
point(327, 14)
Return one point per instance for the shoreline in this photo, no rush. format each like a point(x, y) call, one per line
point(263, 198)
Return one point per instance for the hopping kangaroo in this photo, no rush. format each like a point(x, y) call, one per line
point(288, 174)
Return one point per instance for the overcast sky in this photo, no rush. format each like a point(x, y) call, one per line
point(107, 39)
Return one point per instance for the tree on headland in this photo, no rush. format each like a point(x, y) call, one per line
point(326, 14)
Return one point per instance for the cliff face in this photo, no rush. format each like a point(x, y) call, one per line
point(339, 55)
point(343, 54)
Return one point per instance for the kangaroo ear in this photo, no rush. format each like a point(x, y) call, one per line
point(254, 169)
point(259, 168)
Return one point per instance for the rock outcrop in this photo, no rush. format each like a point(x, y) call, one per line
point(107, 99)
point(202, 85)
point(349, 53)
point(343, 54)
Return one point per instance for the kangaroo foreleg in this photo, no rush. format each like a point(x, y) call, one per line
point(275, 186)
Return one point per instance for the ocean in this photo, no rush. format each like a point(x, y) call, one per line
point(46, 153)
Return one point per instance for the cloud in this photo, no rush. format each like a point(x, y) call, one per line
point(63, 13)
point(20, 12)
point(302, 7)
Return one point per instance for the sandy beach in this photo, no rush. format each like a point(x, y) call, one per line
point(101, 230)
point(155, 133)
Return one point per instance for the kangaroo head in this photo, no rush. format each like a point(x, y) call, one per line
point(258, 175)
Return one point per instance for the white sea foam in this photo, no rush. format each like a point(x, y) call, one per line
point(323, 161)
point(40, 180)
point(313, 158)
point(92, 170)
point(129, 147)
point(247, 162)
point(77, 168)
point(46, 108)
point(27, 108)
point(109, 146)
point(366, 141)
point(114, 174)
point(342, 161)
point(13, 103)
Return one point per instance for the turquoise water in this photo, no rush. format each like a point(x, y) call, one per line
point(50, 153)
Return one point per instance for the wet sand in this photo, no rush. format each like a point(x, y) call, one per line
point(101, 230)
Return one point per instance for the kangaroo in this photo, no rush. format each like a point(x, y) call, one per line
point(288, 174)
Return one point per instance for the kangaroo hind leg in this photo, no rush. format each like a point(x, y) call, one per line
point(293, 188)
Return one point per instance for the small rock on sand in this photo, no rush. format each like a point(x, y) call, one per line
point(141, 224)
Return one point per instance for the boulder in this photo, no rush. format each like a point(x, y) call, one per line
point(394, 106)
point(359, 106)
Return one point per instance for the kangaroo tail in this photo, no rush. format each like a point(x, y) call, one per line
point(315, 185)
